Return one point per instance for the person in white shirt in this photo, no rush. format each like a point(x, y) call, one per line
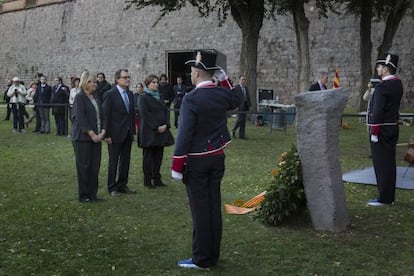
point(17, 93)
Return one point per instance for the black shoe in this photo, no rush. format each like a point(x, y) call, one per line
point(96, 199)
point(244, 138)
point(149, 186)
point(159, 183)
point(84, 200)
point(127, 190)
point(35, 130)
point(233, 134)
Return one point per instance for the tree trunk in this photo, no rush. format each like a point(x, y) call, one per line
point(301, 23)
point(249, 17)
point(365, 50)
point(391, 26)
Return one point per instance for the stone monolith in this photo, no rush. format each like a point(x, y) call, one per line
point(319, 116)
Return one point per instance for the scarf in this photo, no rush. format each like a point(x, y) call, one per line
point(154, 94)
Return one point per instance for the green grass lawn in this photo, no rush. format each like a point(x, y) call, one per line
point(44, 230)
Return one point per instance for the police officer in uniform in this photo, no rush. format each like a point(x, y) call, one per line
point(383, 118)
point(202, 137)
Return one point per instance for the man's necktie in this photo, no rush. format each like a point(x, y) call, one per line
point(126, 100)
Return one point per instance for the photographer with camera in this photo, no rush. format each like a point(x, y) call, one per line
point(17, 94)
point(370, 91)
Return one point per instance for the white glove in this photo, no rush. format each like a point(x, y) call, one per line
point(374, 138)
point(220, 74)
point(176, 175)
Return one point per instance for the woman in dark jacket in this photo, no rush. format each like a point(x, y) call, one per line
point(154, 131)
point(139, 90)
point(88, 130)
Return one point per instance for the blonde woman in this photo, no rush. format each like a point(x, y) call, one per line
point(88, 130)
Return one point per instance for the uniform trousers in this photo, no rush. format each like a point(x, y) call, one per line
point(151, 164)
point(118, 165)
point(203, 178)
point(88, 162)
point(383, 158)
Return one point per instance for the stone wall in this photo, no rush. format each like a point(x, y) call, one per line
point(63, 38)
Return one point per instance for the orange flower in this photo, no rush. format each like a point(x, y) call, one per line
point(275, 172)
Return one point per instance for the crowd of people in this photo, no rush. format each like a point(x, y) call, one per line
point(40, 98)
point(100, 111)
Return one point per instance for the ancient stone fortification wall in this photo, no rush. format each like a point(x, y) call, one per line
point(64, 38)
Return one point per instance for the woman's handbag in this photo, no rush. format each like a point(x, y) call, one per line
point(169, 138)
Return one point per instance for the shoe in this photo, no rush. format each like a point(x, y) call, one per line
point(35, 130)
point(22, 131)
point(376, 202)
point(159, 183)
point(115, 193)
point(84, 200)
point(14, 130)
point(42, 131)
point(127, 190)
point(96, 199)
point(150, 186)
point(188, 263)
point(244, 138)
point(233, 134)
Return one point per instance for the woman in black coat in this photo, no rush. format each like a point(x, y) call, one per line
point(154, 131)
point(88, 130)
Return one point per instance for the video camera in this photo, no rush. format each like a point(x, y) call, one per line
point(374, 82)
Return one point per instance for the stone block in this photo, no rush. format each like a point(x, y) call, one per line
point(319, 116)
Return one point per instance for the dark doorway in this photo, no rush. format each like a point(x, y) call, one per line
point(176, 65)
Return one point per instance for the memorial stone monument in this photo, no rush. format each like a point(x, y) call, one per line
point(319, 116)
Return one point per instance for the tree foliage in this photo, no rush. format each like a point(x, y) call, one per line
point(205, 8)
point(389, 11)
point(285, 7)
point(248, 14)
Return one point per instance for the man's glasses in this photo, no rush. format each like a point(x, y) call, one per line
point(126, 77)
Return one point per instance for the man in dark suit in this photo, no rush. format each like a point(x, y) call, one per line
point(202, 137)
point(321, 83)
point(179, 90)
point(41, 100)
point(60, 97)
point(244, 107)
point(118, 106)
point(383, 116)
point(6, 99)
